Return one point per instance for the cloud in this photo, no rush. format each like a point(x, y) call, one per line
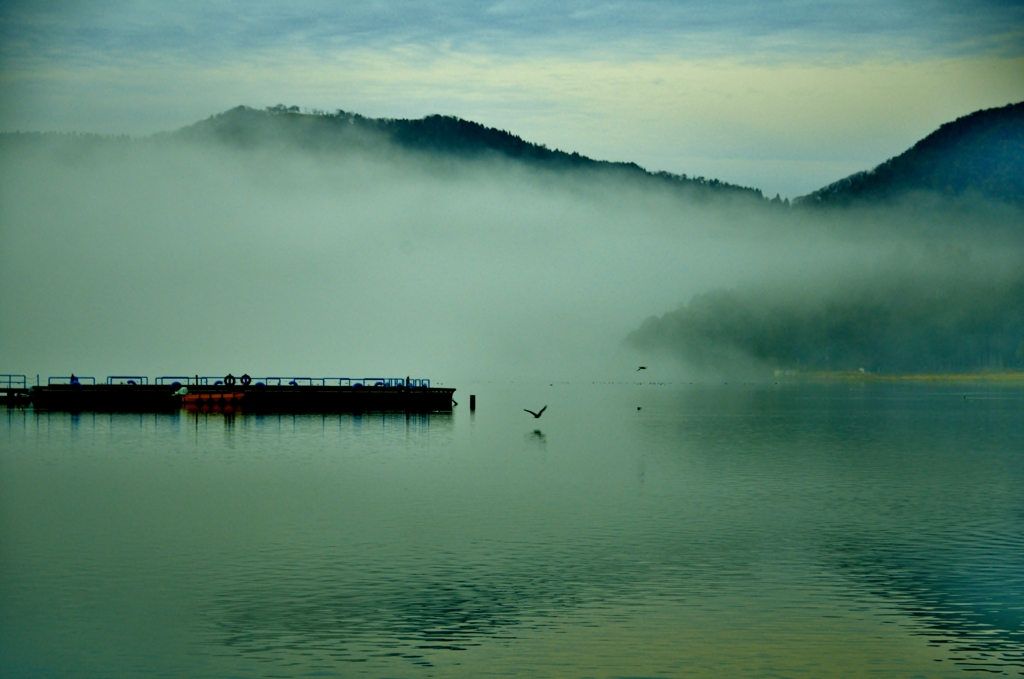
point(789, 128)
point(785, 96)
point(642, 27)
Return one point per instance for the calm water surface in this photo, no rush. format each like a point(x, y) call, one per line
point(728, 531)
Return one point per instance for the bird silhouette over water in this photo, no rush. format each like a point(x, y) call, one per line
point(537, 414)
point(643, 367)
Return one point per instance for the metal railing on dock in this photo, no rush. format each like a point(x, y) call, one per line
point(296, 381)
point(373, 382)
point(67, 380)
point(13, 382)
point(127, 379)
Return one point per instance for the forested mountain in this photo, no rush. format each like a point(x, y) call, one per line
point(981, 154)
point(435, 135)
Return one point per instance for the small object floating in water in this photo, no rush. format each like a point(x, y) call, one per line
point(537, 414)
point(643, 367)
point(638, 408)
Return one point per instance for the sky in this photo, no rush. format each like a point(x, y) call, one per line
point(783, 96)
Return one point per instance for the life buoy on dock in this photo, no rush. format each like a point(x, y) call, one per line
point(229, 379)
point(246, 380)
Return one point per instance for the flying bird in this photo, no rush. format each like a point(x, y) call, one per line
point(643, 367)
point(537, 414)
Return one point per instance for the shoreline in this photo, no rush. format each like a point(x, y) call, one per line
point(857, 376)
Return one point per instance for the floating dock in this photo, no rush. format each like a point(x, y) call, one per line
point(228, 395)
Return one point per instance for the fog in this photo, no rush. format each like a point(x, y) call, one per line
point(168, 257)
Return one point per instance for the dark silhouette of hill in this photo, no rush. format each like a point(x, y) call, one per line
point(435, 135)
point(981, 153)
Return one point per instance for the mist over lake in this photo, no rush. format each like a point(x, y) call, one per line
point(716, 434)
point(297, 242)
point(511, 339)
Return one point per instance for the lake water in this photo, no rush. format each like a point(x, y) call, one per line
point(730, 531)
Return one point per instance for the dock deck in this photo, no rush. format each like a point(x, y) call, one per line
point(258, 395)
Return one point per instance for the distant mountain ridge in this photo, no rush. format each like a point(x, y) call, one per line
point(435, 134)
point(978, 154)
point(982, 152)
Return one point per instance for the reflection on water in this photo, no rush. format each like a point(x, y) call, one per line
point(916, 500)
point(355, 607)
point(821, 531)
point(538, 439)
point(971, 604)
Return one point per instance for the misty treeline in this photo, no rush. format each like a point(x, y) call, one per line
point(933, 312)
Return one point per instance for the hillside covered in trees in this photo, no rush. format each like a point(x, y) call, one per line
point(434, 136)
point(980, 154)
